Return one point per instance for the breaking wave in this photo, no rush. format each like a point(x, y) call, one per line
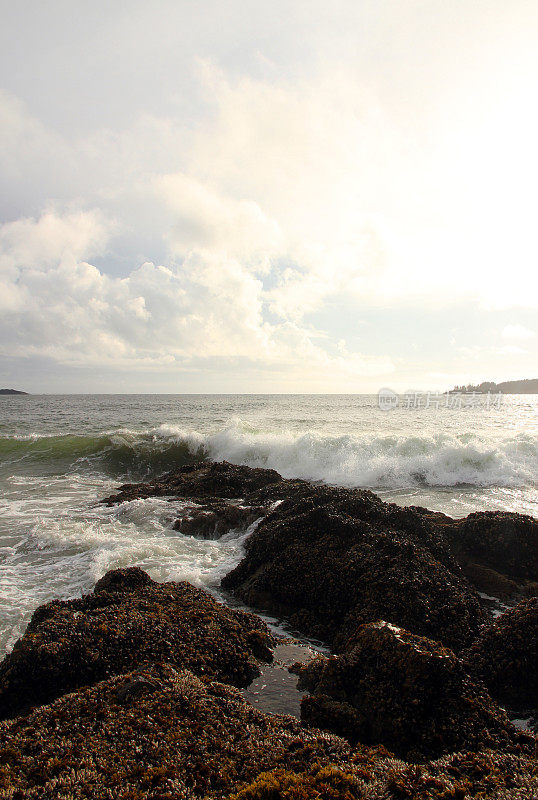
point(376, 461)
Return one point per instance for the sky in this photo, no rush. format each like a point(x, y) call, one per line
point(293, 196)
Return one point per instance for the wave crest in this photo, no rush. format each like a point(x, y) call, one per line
point(350, 460)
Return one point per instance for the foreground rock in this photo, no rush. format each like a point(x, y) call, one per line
point(128, 620)
point(461, 776)
point(405, 692)
point(505, 657)
point(163, 734)
point(331, 559)
point(157, 733)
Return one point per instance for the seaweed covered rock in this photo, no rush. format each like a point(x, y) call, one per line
point(459, 776)
point(170, 735)
point(485, 775)
point(213, 519)
point(499, 540)
point(200, 480)
point(505, 656)
point(128, 620)
point(406, 692)
point(163, 734)
point(331, 559)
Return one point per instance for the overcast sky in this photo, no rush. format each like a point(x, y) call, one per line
point(267, 196)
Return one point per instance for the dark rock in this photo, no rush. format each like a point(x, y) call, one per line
point(406, 692)
point(129, 579)
point(127, 621)
point(530, 589)
point(205, 479)
point(331, 559)
point(505, 657)
point(503, 541)
point(214, 519)
point(490, 581)
point(182, 738)
point(195, 739)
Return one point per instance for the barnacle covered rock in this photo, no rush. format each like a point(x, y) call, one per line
point(182, 738)
point(488, 775)
point(330, 559)
point(505, 656)
point(405, 692)
point(200, 480)
point(129, 619)
point(175, 737)
point(501, 541)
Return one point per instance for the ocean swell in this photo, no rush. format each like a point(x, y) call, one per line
point(376, 461)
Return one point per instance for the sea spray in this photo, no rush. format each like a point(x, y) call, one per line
point(59, 455)
point(374, 461)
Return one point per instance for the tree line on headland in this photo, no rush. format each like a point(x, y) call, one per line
point(527, 386)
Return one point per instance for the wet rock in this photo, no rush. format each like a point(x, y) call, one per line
point(502, 541)
point(331, 559)
point(490, 581)
point(195, 739)
point(129, 620)
point(406, 692)
point(203, 479)
point(212, 520)
point(184, 738)
point(505, 657)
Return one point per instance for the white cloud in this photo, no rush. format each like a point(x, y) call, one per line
point(266, 198)
point(518, 332)
point(511, 350)
point(209, 306)
point(208, 221)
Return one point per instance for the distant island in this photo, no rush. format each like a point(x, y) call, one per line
point(11, 391)
point(527, 386)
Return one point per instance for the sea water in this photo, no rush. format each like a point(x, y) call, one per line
point(59, 455)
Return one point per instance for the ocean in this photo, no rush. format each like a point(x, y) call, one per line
point(60, 454)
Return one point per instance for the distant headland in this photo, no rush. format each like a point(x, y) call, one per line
point(527, 386)
point(11, 391)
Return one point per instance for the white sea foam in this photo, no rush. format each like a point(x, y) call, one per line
point(374, 461)
point(67, 549)
point(380, 460)
point(56, 540)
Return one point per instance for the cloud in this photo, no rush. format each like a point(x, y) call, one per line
point(517, 332)
point(244, 220)
point(208, 307)
point(206, 220)
point(510, 350)
point(29, 247)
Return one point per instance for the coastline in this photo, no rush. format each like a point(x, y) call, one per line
point(381, 584)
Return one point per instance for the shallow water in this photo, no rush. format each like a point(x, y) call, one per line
point(60, 454)
point(275, 690)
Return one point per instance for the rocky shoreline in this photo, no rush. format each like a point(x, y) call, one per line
point(138, 689)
